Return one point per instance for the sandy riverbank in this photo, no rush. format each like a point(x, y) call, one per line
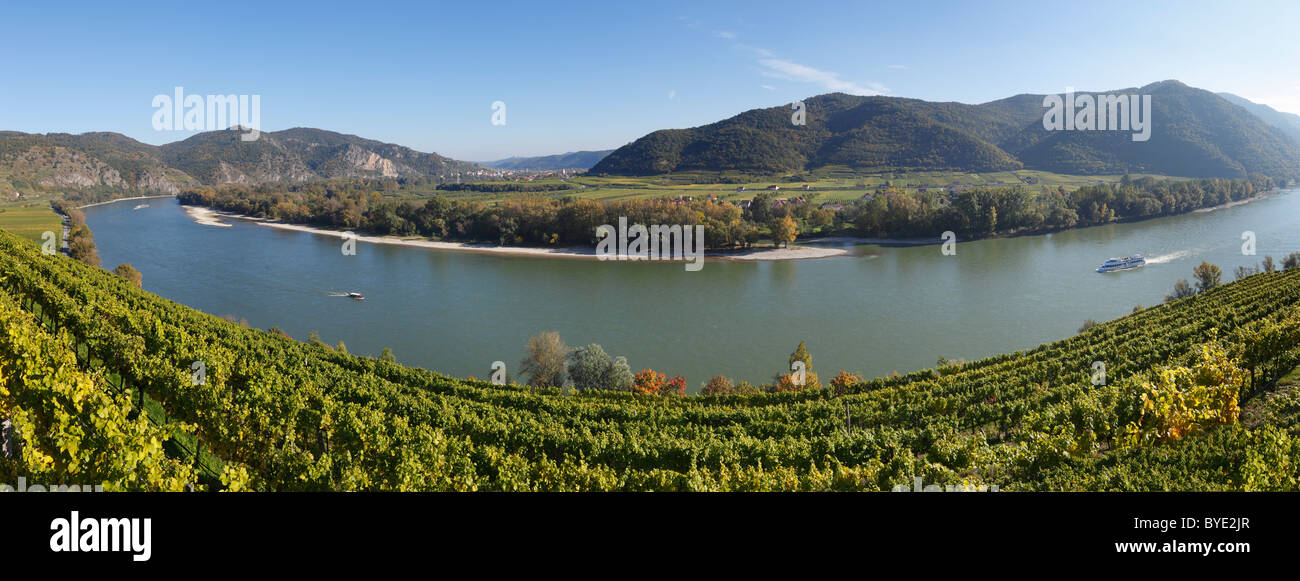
point(794, 253)
point(876, 241)
point(206, 216)
point(124, 199)
point(1236, 203)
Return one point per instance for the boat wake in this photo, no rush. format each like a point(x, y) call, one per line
point(1172, 256)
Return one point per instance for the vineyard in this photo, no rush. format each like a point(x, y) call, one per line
point(103, 382)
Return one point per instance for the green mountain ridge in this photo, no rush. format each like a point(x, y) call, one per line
point(1195, 133)
point(1289, 123)
point(114, 162)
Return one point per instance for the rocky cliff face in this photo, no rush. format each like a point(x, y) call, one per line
point(356, 160)
point(60, 167)
point(110, 161)
point(155, 181)
point(63, 168)
point(333, 155)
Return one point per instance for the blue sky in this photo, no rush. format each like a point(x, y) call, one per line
point(598, 75)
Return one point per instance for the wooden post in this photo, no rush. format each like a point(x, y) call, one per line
point(848, 420)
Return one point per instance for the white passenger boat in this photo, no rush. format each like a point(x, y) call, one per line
point(1126, 263)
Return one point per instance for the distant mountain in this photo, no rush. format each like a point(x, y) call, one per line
point(1195, 133)
point(298, 155)
point(1289, 123)
point(115, 162)
point(863, 132)
point(572, 160)
point(89, 161)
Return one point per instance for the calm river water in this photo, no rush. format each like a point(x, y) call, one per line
point(873, 312)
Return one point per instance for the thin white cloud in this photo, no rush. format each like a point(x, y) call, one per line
point(792, 71)
point(672, 94)
point(754, 49)
point(788, 70)
point(899, 67)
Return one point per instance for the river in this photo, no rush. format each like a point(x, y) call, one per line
point(874, 311)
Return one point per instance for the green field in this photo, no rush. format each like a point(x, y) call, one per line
point(30, 219)
point(828, 184)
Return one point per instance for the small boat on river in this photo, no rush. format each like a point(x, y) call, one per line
point(1126, 263)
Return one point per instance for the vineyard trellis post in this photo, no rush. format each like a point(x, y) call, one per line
point(848, 420)
point(7, 439)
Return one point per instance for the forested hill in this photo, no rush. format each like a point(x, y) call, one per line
point(1289, 123)
point(107, 164)
point(1195, 133)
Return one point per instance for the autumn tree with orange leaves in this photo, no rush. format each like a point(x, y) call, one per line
point(649, 381)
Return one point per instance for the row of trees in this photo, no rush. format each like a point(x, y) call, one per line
point(1007, 210)
point(1208, 276)
point(552, 363)
point(532, 220)
point(1268, 265)
point(81, 242)
point(527, 220)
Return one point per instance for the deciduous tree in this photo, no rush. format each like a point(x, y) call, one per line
point(129, 273)
point(1207, 276)
point(547, 363)
point(784, 230)
point(591, 367)
point(718, 385)
point(1182, 290)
